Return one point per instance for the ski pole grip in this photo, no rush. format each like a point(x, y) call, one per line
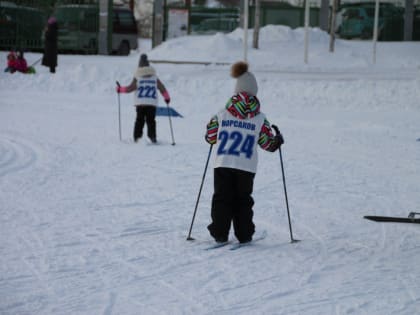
point(118, 83)
point(276, 129)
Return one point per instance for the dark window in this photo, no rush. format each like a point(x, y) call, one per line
point(124, 22)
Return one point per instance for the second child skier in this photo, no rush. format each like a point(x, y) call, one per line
point(145, 84)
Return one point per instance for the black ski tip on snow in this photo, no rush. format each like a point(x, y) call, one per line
point(370, 217)
point(410, 219)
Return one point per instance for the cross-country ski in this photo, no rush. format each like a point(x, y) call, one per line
point(217, 245)
point(410, 219)
point(255, 239)
point(237, 245)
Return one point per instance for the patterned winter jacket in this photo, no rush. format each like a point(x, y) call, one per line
point(244, 106)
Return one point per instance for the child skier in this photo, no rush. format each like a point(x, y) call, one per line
point(146, 84)
point(11, 62)
point(235, 131)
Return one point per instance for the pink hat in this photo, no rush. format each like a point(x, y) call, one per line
point(52, 20)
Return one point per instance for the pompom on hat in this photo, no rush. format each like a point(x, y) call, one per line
point(245, 80)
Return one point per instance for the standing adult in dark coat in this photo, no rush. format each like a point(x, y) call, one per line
point(50, 49)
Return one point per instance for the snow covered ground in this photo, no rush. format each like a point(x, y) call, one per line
point(93, 225)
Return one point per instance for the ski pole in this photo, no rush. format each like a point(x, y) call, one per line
point(189, 238)
point(36, 62)
point(292, 240)
point(119, 111)
point(170, 124)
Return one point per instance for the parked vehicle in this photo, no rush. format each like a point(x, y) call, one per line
point(79, 29)
point(124, 31)
point(357, 21)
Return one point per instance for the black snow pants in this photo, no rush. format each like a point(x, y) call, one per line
point(145, 113)
point(232, 202)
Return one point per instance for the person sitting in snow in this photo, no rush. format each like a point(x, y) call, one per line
point(145, 83)
point(11, 62)
point(236, 131)
point(22, 65)
point(18, 63)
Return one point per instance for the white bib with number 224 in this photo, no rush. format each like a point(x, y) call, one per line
point(237, 141)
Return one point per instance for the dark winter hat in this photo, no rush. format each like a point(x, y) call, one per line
point(52, 20)
point(246, 81)
point(143, 62)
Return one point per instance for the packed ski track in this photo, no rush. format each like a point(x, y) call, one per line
point(94, 225)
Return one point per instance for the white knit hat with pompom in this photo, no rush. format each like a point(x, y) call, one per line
point(245, 80)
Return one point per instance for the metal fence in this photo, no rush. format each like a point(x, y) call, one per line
point(211, 20)
point(283, 14)
point(204, 20)
point(22, 23)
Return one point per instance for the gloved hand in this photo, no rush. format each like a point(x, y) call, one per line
point(210, 141)
point(211, 134)
point(166, 97)
point(278, 136)
point(121, 89)
point(279, 139)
